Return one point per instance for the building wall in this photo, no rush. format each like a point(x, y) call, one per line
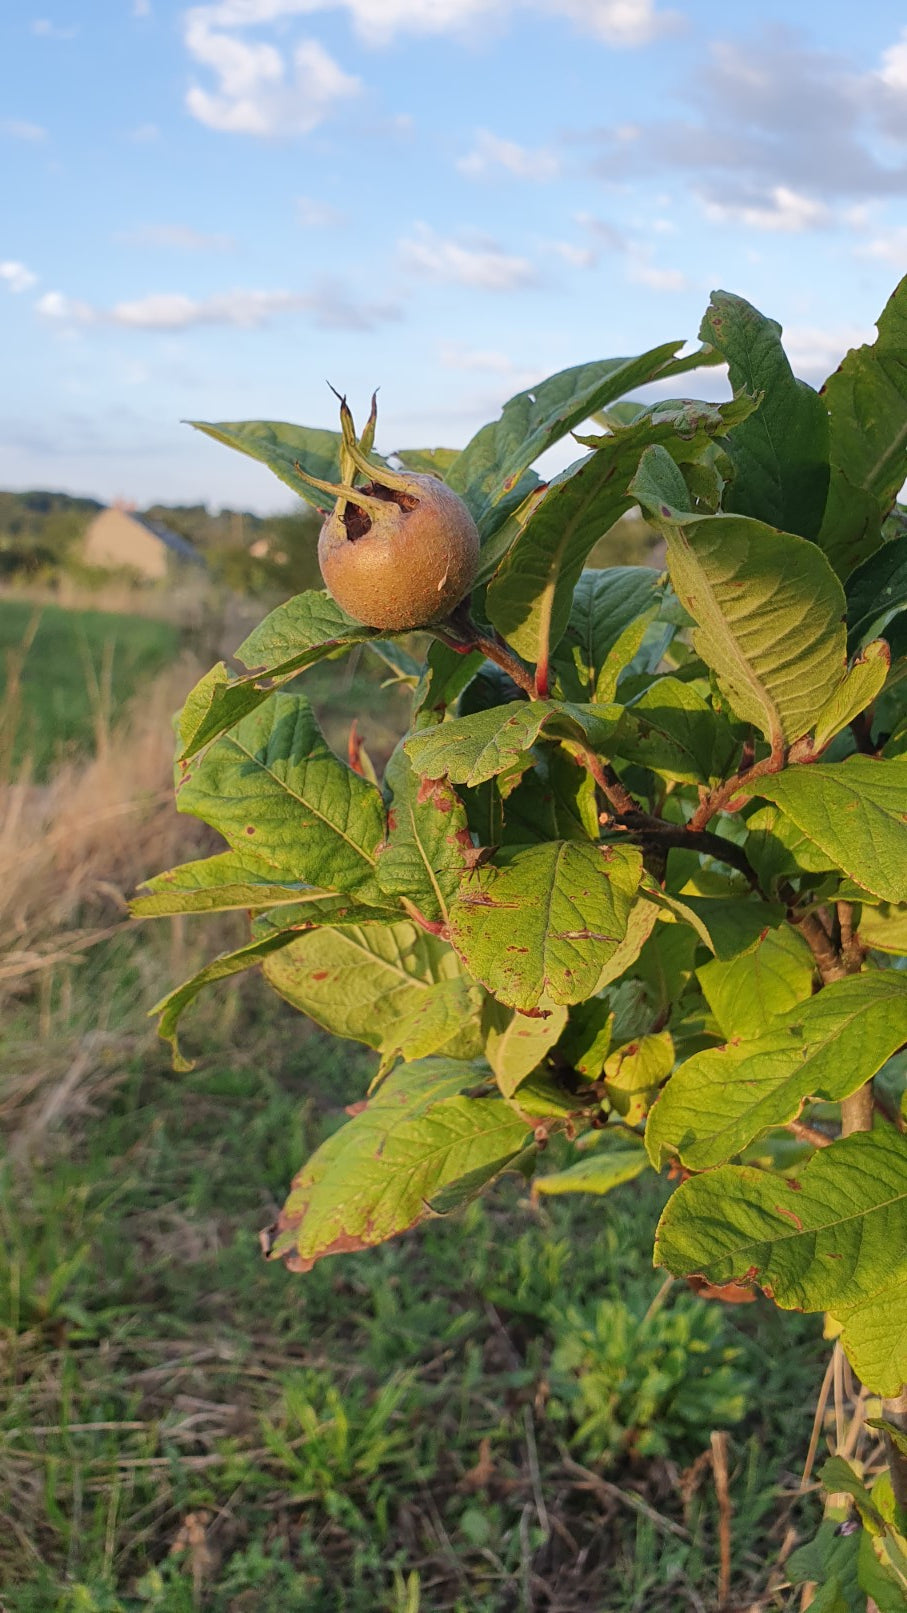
point(113, 539)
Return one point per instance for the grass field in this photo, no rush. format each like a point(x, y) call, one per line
point(505, 1413)
point(184, 1426)
point(66, 674)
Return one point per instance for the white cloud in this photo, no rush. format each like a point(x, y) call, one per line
point(16, 276)
point(783, 210)
point(616, 22)
point(642, 272)
point(578, 257)
point(454, 356)
point(893, 71)
point(491, 152)
point(181, 236)
point(173, 311)
point(814, 352)
point(145, 133)
point(315, 215)
point(19, 129)
point(331, 307)
point(607, 235)
point(890, 248)
point(486, 266)
point(773, 132)
point(141, 8)
point(66, 310)
point(45, 29)
point(256, 94)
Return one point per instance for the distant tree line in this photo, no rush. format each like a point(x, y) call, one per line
point(41, 537)
point(42, 533)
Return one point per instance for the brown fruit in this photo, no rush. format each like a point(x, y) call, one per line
point(402, 558)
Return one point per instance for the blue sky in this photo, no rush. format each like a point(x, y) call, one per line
point(207, 211)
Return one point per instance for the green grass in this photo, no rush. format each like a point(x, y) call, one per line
point(78, 670)
point(183, 1426)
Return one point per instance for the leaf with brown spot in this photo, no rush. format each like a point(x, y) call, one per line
point(418, 1144)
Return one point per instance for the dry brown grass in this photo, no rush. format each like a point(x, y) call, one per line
point(72, 851)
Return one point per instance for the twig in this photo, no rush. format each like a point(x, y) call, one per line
point(809, 1134)
point(718, 1443)
point(612, 1492)
point(718, 798)
point(815, 1436)
point(610, 785)
point(532, 1455)
point(829, 962)
point(686, 838)
point(463, 634)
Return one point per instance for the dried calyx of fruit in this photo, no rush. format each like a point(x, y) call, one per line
point(401, 550)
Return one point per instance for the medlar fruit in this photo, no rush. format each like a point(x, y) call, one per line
point(399, 552)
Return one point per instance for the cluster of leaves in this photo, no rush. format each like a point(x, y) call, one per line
point(638, 871)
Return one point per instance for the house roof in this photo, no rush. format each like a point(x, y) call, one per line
point(171, 540)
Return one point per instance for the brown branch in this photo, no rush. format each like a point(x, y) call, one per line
point(619, 798)
point(718, 799)
point(857, 1111)
point(462, 634)
point(809, 1134)
point(829, 962)
point(852, 949)
point(682, 837)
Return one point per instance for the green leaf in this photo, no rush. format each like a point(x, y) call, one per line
point(599, 1170)
point(640, 924)
point(884, 928)
point(516, 1044)
point(634, 1073)
point(414, 1141)
point(867, 403)
point(677, 734)
point(586, 1041)
point(304, 630)
point(439, 1022)
point(529, 599)
point(855, 811)
point(610, 613)
point(746, 992)
point(826, 1047)
point(876, 591)
point(428, 461)
point(729, 925)
point(768, 606)
point(468, 750)
point(554, 800)
point(171, 1008)
point(530, 596)
point(493, 463)
point(361, 982)
point(544, 922)
point(778, 849)
point(780, 453)
point(281, 446)
point(860, 685)
point(445, 675)
point(831, 1561)
point(832, 1238)
point(665, 965)
point(228, 881)
point(274, 782)
point(428, 843)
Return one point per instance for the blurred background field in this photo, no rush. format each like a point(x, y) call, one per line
point(508, 1411)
